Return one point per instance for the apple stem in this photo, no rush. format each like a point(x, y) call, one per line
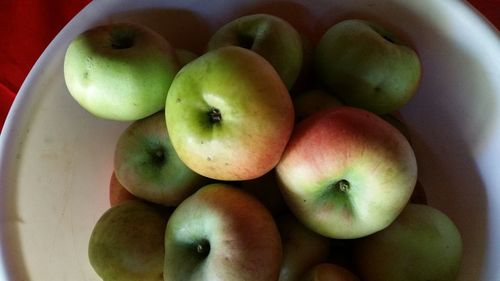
point(203, 248)
point(342, 185)
point(215, 115)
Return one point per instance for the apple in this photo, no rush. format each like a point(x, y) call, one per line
point(185, 56)
point(329, 272)
point(147, 165)
point(423, 243)
point(312, 101)
point(235, 121)
point(127, 242)
point(302, 248)
point(222, 233)
point(367, 66)
point(120, 71)
point(266, 190)
point(346, 173)
point(117, 192)
point(271, 37)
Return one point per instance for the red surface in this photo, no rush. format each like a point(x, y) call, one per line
point(28, 26)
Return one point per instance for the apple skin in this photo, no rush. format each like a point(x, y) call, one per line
point(117, 192)
point(346, 173)
point(222, 233)
point(229, 131)
point(271, 37)
point(120, 71)
point(312, 101)
point(329, 272)
point(423, 243)
point(366, 66)
point(147, 165)
point(127, 242)
point(302, 248)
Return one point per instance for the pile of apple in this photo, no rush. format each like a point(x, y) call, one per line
point(261, 159)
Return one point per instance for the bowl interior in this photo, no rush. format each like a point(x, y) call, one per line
point(57, 159)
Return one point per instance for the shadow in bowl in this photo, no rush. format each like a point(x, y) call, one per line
point(182, 28)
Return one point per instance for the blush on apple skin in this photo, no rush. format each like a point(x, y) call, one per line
point(329, 272)
point(118, 193)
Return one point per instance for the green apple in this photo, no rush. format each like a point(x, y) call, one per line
point(147, 165)
point(117, 192)
point(127, 242)
point(221, 233)
point(185, 56)
point(269, 36)
point(422, 244)
point(329, 272)
point(312, 101)
point(346, 173)
point(367, 66)
point(235, 121)
point(120, 71)
point(302, 248)
point(266, 190)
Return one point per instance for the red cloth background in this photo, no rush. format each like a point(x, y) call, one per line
point(28, 26)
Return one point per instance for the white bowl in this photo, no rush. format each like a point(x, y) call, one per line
point(56, 159)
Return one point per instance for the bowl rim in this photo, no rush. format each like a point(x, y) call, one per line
point(17, 121)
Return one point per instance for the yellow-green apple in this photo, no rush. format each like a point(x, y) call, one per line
point(229, 115)
point(347, 173)
point(265, 189)
point(117, 192)
point(120, 71)
point(222, 233)
point(423, 243)
point(127, 242)
point(302, 248)
point(271, 37)
point(312, 101)
point(185, 56)
point(329, 272)
point(147, 165)
point(367, 66)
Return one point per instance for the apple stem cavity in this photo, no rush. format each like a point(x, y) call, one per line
point(122, 39)
point(203, 248)
point(246, 41)
point(215, 115)
point(158, 156)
